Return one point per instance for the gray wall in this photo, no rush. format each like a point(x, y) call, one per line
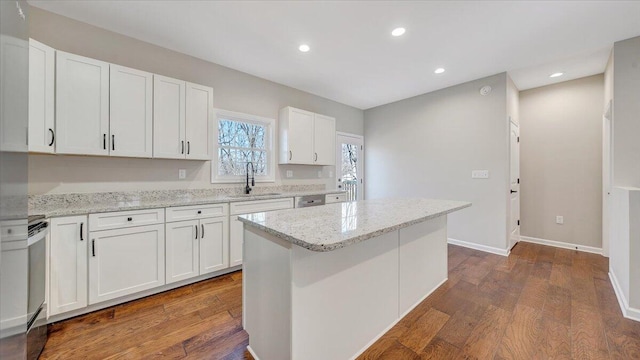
point(233, 90)
point(428, 145)
point(626, 113)
point(561, 161)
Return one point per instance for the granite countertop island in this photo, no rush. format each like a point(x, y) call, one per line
point(325, 282)
point(334, 226)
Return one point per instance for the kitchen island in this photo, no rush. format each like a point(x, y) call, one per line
point(325, 282)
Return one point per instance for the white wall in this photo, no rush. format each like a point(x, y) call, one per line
point(626, 109)
point(233, 90)
point(625, 216)
point(426, 146)
point(561, 161)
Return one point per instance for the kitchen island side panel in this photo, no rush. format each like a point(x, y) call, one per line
point(422, 262)
point(267, 298)
point(343, 299)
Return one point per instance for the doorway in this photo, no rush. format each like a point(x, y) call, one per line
point(349, 165)
point(514, 151)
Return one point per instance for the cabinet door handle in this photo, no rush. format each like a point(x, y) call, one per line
point(81, 236)
point(93, 247)
point(316, 159)
point(196, 232)
point(188, 147)
point(182, 142)
point(104, 141)
point(129, 219)
point(53, 137)
point(113, 142)
point(202, 233)
point(290, 155)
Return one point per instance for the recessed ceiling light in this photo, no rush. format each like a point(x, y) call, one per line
point(304, 48)
point(398, 31)
point(556, 74)
point(439, 71)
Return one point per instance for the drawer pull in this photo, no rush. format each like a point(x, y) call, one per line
point(129, 219)
point(199, 211)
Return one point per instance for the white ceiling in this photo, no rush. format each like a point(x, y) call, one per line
point(353, 57)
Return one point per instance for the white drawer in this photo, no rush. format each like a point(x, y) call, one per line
point(125, 219)
point(13, 230)
point(335, 198)
point(194, 212)
point(248, 207)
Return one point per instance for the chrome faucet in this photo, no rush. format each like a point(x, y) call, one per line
point(247, 189)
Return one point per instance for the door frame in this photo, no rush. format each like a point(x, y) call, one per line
point(514, 239)
point(607, 176)
point(359, 139)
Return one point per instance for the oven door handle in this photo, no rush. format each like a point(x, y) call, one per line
point(35, 238)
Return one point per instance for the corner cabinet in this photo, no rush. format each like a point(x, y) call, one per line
point(68, 264)
point(82, 105)
point(182, 117)
point(41, 97)
point(306, 138)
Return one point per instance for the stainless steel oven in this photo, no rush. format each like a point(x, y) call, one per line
point(36, 311)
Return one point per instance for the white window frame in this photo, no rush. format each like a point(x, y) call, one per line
point(269, 145)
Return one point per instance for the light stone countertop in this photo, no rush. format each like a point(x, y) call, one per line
point(80, 204)
point(334, 226)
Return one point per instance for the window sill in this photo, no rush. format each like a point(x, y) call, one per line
point(240, 181)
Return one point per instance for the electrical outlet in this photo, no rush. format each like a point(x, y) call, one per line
point(480, 174)
point(289, 173)
point(182, 174)
point(559, 219)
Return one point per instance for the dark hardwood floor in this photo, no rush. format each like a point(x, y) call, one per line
point(539, 303)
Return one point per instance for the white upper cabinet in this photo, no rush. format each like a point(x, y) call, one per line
point(306, 138)
point(41, 97)
point(296, 136)
point(168, 118)
point(182, 116)
point(199, 115)
point(130, 116)
point(324, 140)
point(82, 105)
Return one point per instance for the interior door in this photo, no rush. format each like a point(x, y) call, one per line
point(514, 151)
point(349, 165)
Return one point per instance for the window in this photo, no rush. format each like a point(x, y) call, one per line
point(242, 139)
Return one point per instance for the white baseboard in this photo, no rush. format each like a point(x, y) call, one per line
point(252, 352)
point(563, 245)
point(628, 312)
point(485, 248)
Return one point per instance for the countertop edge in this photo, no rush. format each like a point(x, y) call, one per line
point(350, 241)
point(169, 204)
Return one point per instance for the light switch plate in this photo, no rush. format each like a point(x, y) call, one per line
point(289, 173)
point(559, 220)
point(480, 174)
point(182, 174)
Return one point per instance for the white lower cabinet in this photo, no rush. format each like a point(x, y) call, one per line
point(236, 228)
point(236, 237)
point(68, 264)
point(125, 261)
point(199, 246)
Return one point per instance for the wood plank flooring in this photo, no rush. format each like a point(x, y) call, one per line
point(539, 303)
